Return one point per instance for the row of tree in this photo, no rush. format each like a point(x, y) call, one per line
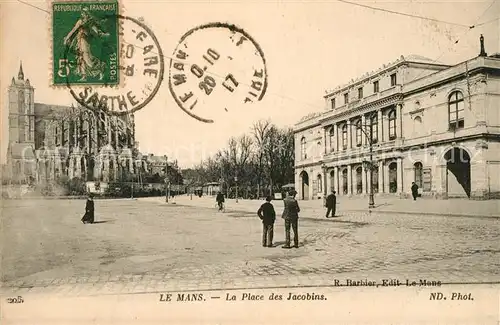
point(258, 163)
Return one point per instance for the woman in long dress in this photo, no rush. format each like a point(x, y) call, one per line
point(88, 217)
point(78, 39)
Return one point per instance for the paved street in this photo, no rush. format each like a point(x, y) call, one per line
point(147, 245)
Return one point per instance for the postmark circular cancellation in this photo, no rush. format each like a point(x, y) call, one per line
point(216, 66)
point(140, 64)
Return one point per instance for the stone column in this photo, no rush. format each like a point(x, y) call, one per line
point(325, 131)
point(336, 137)
point(380, 126)
point(363, 179)
point(364, 140)
point(380, 176)
point(349, 180)
point(349, 134)
point(71, 171)
point(400, 187)
point(480, 187)
point(106, 170)
point(399, 117)
point(325, 183)
point(368, 182)
point(336, 179)
point(386, 178)
point(78, 172)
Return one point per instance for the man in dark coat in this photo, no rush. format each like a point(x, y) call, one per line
point(88, 217)
point(220, 200)
point(291, 216)
point(331, 202)
point(267, 214)
point(414, 190)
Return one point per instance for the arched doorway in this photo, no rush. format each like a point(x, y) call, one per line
point(393, 177)
point(344, 181)
point(457, 172)
point(359, 180)
point(333, 186)
point(304, 186)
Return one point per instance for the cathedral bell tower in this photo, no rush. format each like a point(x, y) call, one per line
point(21, 110)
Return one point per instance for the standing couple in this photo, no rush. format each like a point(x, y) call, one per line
point(291, 215)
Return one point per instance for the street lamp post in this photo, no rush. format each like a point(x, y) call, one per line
point(369, 164)
point(236, 181)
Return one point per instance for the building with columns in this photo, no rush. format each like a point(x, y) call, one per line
point(413, 120)
point(48, 141)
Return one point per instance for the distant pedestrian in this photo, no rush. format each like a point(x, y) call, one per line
point(220, 200)
point(267, 214)
point(291, 216)
point(88, 217)
point(414, 190)
point(331, 203)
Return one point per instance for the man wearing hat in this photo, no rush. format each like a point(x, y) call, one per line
point(291, 216)
point(267, 214)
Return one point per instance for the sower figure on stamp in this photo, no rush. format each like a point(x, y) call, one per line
point(78, 39)
point(331, 202)
point(291, 216)
point(267, 214)
point(88, 217)
point(414, 190)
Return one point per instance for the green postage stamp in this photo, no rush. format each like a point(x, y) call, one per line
point(85, 43)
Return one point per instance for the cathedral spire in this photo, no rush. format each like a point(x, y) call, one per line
point(20, 75)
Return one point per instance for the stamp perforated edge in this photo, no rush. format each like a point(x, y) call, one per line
point(50, 3)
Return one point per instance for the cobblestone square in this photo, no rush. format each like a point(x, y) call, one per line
point(139, 246)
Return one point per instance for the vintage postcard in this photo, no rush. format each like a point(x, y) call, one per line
point(262, 162)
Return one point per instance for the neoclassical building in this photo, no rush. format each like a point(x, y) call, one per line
point(425, 122)
point(48, 141)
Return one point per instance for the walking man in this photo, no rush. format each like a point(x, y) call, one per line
point(331, 202)
point(267, 214)
point(414, 190)
point(291, 216)
point(220, 200)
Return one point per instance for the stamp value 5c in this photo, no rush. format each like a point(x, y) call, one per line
point(85, 43)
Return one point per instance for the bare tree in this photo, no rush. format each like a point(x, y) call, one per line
point(260, 131)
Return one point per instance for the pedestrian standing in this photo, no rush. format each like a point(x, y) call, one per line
point(291, 216)
point(414, 190)
point(331, 203)
point(267, 214)
point(88, 217)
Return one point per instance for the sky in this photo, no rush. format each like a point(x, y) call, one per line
point(309, 47)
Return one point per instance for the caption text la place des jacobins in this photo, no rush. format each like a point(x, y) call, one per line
point(311, 295)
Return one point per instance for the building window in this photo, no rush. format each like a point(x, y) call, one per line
point(360, 92)
point(346, 98)
point(393, 80)
point(456, 110)
point(344, 136)
point(418, 170)
point(375, 87)
point(359, 134)
point(332, 101)
point(392, 125)
point(332, 139)
point(303, 152)
point(374, 128)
